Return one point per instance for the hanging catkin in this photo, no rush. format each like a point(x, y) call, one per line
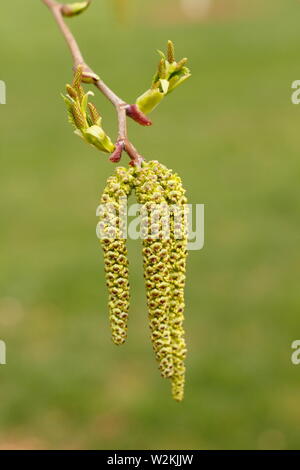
point(175, 196)
point(156, 265)
point(118, 187)
point(163, 228)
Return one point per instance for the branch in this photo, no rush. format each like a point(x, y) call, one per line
point(122, 108)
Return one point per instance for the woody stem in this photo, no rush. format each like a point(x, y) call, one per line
point(121, 106)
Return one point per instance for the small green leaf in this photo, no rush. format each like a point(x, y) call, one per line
point(84, 101)
point(177, 80)
point(162, 55)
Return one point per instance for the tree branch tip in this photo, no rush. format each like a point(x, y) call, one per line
point(84, 74)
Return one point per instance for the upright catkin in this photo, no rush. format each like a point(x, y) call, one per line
point(175, 196)
point(111, 227)
point(150, 195)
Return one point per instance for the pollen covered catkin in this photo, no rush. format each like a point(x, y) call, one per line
point(175, 196)
point(156, 265)
point(113, 241)
point(163, 229)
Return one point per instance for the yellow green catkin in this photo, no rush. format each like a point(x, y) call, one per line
point(163, 228)
point(118, 188)
point(150, 195)
point(175, 196)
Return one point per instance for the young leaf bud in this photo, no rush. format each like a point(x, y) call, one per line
point(178, 79)
point(96, 136)
point(74, 9)
point(149, 100)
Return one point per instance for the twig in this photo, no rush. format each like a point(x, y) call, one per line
point(123, 109)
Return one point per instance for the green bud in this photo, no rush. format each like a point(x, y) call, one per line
point(88, 125)
point(169, 75)
point(74, 9)
point(149, 100)
point(96, 136)
point(89, 77)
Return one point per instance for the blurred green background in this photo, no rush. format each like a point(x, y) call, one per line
point(233, 135)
